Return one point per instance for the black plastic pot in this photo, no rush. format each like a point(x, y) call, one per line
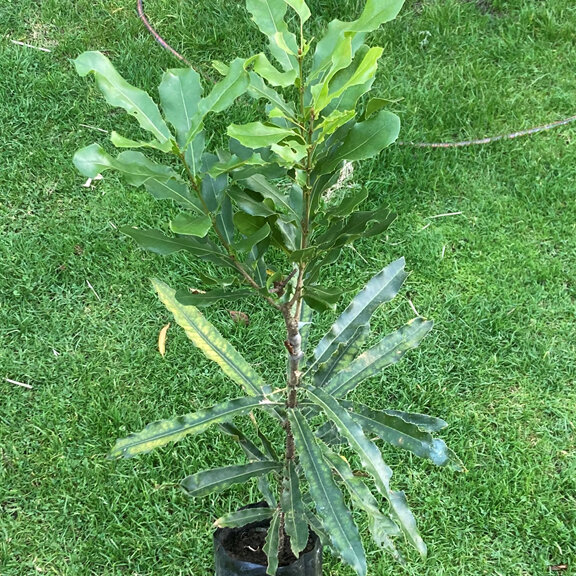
point(309, 563)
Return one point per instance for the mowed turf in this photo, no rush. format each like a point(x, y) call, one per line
point(488, 233)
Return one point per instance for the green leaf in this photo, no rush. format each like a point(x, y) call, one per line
point(160, 433)
point(250, 449)
point(321, 298)
point(263, 186)
point(251, 205)
point(246, 244)
point(120, 93)
point(295, 522)
point(344, 354)
point(336, 519)
point(120, 142)
point(372, 461)
point(258, 135)
point(300, 7)
point(134, 166)
point(268, 15)
point(348, 205)
point(365, 140)
point(388, 351)
point(274, 77)
point(379, 289)
point(190, 225)
point(157, 242)
point(218, 479)
point(221, 97)
point(381, 526)
point(304, 325)
point(399, 433)
point(363, 224)
point(240, 518)
point(259, 89)
point(424, 422)
point(180, 94)
point(205, 337)
point(272, 543)
point(363, 74)
point(375, 13)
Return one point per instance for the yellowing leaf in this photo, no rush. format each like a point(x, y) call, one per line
point(162, 340)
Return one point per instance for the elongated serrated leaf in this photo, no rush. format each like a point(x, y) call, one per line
point(191, 225)
point(258, 135)
point(398, 432)
point(134, 166)
point(268, 15)
point(240, 518)
point(369, 453)
point(250, 449)
point(295, 522)
point(157, 242)
point(423, 421)
point(406, 521)
point(120, 93)
point(381, 526)
point(271, 545)
point(344, 354)
point(365, 140)
point(372, 461)
point(180, 93)
point(218, 479)
point(204, 299)
point(379, 289)
point(388, 351)
point(205, 337)
point(335, 517)
point(160, 433)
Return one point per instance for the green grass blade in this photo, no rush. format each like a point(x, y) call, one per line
point(242, 517)
point(218, 479)
point(163, 432)
point(205, 337)
point(295, 522)
point(388, 351)
point(337, 522)
point(120, 93)
point(381, 288)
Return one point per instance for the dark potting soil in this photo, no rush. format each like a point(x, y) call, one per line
point(247, 543)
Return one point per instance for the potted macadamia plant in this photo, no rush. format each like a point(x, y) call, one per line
point(260, 211)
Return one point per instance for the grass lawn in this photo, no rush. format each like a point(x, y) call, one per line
point(79, 322)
